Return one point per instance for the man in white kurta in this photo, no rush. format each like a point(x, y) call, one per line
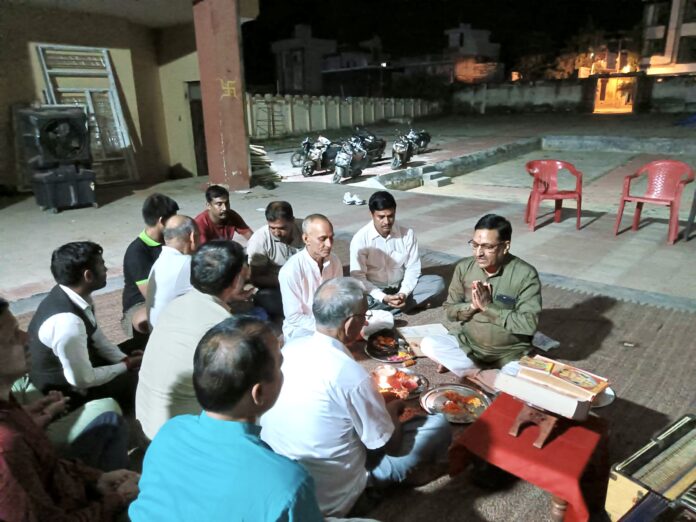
point(300, 277)
point(170, 276)
point(329, 414)
point(384, 257)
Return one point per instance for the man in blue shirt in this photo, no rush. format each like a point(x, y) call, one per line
point(214, 466)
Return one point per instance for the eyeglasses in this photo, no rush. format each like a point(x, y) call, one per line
point(487, 247)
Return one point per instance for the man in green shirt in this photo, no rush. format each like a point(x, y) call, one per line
point(496, 297)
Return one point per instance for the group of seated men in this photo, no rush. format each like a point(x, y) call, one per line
point(241, 425)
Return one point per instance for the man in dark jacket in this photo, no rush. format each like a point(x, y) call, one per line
point(69, 351)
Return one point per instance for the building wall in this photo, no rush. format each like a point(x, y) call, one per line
point(312, 114)
point(521, 97)
point(673, 94)
point(132, 49)
point(312, 51)
point(675, 29)
point(178, 65)
point(152, 69)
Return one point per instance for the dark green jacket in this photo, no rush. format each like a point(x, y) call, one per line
point(503, 332)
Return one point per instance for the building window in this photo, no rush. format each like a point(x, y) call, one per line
point(657, 13)
point(689, 11)
point(687, 50)
point(654, 46)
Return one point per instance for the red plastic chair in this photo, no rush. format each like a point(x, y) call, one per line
point(545, 186)
point(666, 180)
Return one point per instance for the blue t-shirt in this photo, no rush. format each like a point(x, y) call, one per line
point(200, 468)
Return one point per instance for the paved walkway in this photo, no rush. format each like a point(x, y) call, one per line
point(635, 265)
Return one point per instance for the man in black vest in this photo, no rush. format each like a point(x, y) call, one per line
point(69, 352)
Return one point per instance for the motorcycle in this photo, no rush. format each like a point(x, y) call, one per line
point(420, 139)
point(300, 155)
point(351, 159)
point(402, 151)
point(321, 156)
point(371, 143)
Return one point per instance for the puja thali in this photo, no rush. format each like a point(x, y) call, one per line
point(404, 383)
point(384, 346)
point(460, 404)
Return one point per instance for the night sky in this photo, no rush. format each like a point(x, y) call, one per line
point(409, 27)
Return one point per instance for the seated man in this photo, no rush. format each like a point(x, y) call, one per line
point(300, 277)
point(140, 255)
point(384, 256)
point(232, 474)
point(330, 415)
point(165, 388)
point(497, 299)
point(218, 220)
point(68, 350)
point(95, 432)
point(170, 276)
point(269, 249)
point(36, 484)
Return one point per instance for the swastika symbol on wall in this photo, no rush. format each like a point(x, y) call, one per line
point(228, 89)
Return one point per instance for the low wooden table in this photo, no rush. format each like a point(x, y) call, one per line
point(557, 467)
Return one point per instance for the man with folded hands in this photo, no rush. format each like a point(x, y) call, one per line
point(384, 257)
point(496, 298)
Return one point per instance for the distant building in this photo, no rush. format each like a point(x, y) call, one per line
point(360, 70)
point(470, 57)
point(308, 65)
point(669, 37)
point(299, 61)
point(466, 41)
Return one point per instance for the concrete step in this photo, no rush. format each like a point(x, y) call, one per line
point(436, 179)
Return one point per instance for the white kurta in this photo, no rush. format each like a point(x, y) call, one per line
point(299, 279)
point(328, 412)
point(382, 262)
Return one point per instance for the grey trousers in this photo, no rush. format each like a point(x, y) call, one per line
point(428, 287)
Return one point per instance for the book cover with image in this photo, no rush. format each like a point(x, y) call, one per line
point(562, 377)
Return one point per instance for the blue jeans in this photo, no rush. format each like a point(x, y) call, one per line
point(103, 444)
point(425, 441)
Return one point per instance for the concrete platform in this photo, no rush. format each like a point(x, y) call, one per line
point(635, 265)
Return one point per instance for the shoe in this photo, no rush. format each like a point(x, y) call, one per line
point(357, 200)
point(348, 199)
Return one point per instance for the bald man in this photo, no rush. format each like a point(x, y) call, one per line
point(304, 272)
point(170, 276)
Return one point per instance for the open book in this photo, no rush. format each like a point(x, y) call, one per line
point(563, 378)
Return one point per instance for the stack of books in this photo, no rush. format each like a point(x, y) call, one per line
point(553, 386)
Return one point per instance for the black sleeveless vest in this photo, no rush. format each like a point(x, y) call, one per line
point(46, 371)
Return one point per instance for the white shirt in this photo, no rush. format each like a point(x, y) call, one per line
point(299, 279)
point(385, 262)
point(165, 380)
point(170, 277)
point(265, 249)
point(328, 412)
point(66, 336)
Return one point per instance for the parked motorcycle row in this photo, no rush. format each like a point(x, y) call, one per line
point(348, 157)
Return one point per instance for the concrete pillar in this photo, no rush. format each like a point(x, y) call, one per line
point(218, 41)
